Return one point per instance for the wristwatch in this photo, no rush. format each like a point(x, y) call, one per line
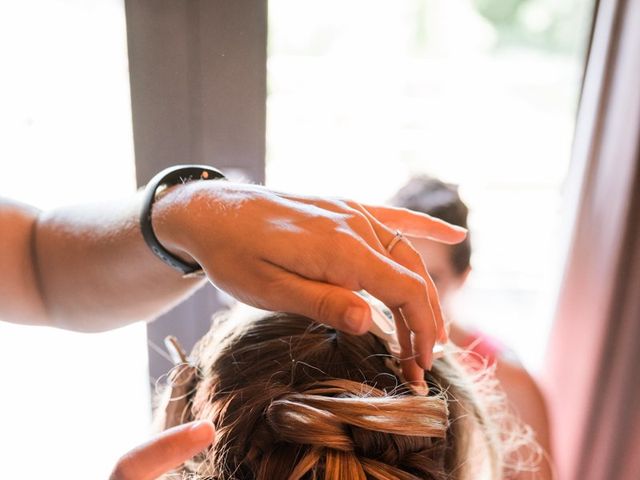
point(169, 177)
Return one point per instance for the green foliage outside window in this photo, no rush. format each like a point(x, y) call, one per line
point(553, 25)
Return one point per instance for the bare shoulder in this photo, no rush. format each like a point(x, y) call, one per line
point(515, 378)
point(528, 401)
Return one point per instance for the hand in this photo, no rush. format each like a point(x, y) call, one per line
point(165, 452)
point(308, 255)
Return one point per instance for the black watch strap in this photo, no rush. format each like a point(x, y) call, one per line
point(176, 175)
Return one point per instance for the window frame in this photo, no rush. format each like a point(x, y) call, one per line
point(198, 94)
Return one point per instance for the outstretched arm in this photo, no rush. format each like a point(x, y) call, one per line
point(87, 267)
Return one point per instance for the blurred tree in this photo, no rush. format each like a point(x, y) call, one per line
point(559, 26)
point(500, 12)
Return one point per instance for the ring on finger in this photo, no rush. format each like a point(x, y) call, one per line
point(394, 241)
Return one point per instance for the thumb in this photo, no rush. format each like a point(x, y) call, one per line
point(329, 304)
point(165, 452)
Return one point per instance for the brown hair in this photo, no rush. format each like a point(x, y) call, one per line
point(293, 399)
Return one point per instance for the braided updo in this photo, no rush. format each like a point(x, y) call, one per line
point(292, 399)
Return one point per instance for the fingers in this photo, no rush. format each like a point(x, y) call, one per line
point(416, 321)
point(165, 452)
point(394, 285)
point(418, 224)
point(399, 279)
point(332, 305)
point(404, 253)
point(411, 370)
point(345, 311)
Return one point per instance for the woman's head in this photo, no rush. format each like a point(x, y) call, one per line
point(298, 400)
point(447, 264)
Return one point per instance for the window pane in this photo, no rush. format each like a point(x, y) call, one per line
point(71, 403)
point(365, 94)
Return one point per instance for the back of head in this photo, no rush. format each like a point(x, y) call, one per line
point(292, 399)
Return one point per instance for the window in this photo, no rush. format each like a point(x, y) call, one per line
point(364, 94)
point(72, 403)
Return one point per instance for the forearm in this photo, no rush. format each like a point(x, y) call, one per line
point(94, 271)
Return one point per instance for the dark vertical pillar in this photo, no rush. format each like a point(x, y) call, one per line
point(198, 93)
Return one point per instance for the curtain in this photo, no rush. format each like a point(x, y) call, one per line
point(592, 377)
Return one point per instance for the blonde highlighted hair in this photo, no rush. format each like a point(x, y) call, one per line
point(292, 399)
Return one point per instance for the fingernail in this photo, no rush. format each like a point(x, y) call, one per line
point(201, 431)
point(355, 319)
point(412, 371)
point(425, 361)
point(420, 388)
